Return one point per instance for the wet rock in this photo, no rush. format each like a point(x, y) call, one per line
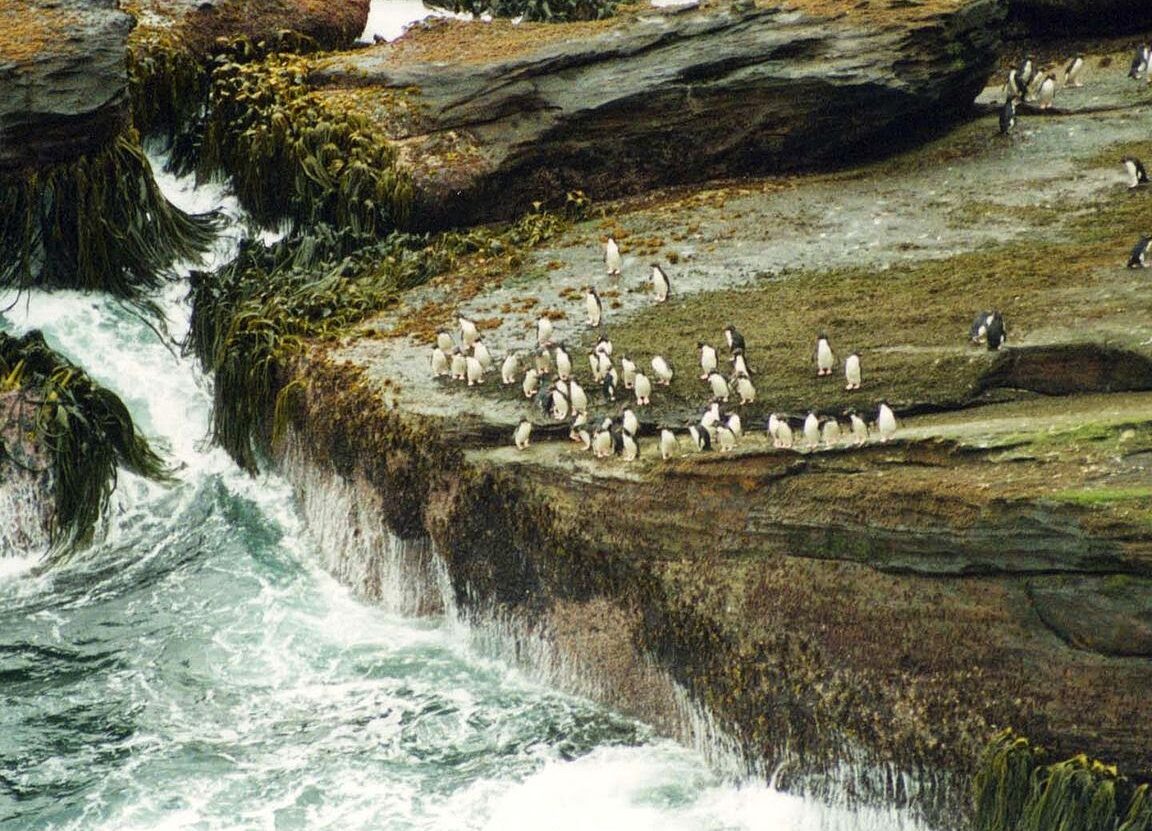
point(1107, 615)
point(25, 482)
point(1066, 369)
point(1077, 17)
point(63, 88)
point(491, 117)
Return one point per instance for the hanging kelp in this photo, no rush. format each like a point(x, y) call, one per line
point(81, 431)
point(293, 154)
point(97, 222)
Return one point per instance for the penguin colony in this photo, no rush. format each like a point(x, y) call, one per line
point(546, 374)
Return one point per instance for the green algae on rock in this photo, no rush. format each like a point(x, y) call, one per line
point(79, 430)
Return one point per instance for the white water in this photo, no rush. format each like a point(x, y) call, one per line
point(197, 669)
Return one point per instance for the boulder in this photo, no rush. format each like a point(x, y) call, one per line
point(63, 89)
point(491, 117)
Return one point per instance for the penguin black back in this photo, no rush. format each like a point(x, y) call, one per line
point(996, 333)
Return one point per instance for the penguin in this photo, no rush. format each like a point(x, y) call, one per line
point(531, 384)
point(602, 444)
point(700, 438)
point(1034, 84)
point(707, 359)
point(885, 421)
point(859, 428)
point(1139, 256)
point(563, 363)
point(608, 386)
point(475, 371)
point(544, 400)
point(726, 438)
point(604, 346)
point(1072, 72)
point(523, 432)
point(1012, 87)
point(1137, 175)
point(627, 371)
point(643, 389)
point(578, 431)
point(830, 432)
point(783, 435)
point(662, 370)
point(629, 447)
point(480, 352)
point(1008, 116)
point(1047, 92)
point(995, 333)
point(544, 330)
point(720, 389)
point(577, 397)
point(773, 425)
point(599, 363)
point(735, 425)
point(711, 417)
point(978, 331)
point(1024, 72)
point(745, 390)
point(612, 257)
point(459, 365)
point(439, 363)
point(543, 361)
point(509, 369)
point(852, 371)
point(593, 306)
point(559, 405)
point(669, 447)
point(1139, 63)
point(660, 283)
point(468, 331)
point(739, 365)
point(825, 360)
point(629, 422)
point(811, 430)
point(444, 342)
point(733, 338)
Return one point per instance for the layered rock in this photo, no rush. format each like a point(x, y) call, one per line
point(63, 89)
point(492, 117)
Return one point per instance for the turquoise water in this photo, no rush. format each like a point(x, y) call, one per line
point(196, 669)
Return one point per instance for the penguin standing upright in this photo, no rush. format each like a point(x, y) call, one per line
point(612, 258)
point(662, 370)
point(563, 363)
point(544, 330)
point(531, 384)
point(468, 331)
point(627, 371)
point(740, 365)
point(608, 386)
point(711, 416)
point(660, 283)
point(733, 338)
point(444, 342)
point(1024, 72)
point(578, 431)
point(745, 390)
point(1012, 86)
point(811, 430)
point(830, 432)
point(628, 421)
point(593, 306)
point(1007, 116)
point(996, 334)
point(825, 360)
point(669, 447)
point(604, 346)
point(1047, 92)
point(1139, 66)
point(1072, 72)
point(439, 363)
point(559, 404)
point(629, 447)
point(725, 438)
point(885, 421)
point(707, 359)
point(978, 331)
point(509, 369)
point(719, 386)
point(543, 360)
point(602, 443)
point(783, 435)
point(480, 352)
point(643, 389)
point(700, 437)
point(773, 425)
point(852, 371)
point(1137, 175)
point(1139, 257)
point(523, 432)
point(474, 370)
point(734, 424)
point(459, 365)
point(577, 397)
point(859, 428)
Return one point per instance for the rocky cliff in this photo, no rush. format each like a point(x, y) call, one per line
point(491, 117)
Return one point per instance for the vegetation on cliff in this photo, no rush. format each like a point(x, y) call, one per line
point(83, 430)
point(98, 222)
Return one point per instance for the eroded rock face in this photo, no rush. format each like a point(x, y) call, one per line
point(505, 115)
point(25, 494)
point(63, 86)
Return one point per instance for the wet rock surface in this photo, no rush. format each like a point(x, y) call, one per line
point(492, 117)
point(63, 86)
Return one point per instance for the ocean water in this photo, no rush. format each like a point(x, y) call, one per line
point(197, 669)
